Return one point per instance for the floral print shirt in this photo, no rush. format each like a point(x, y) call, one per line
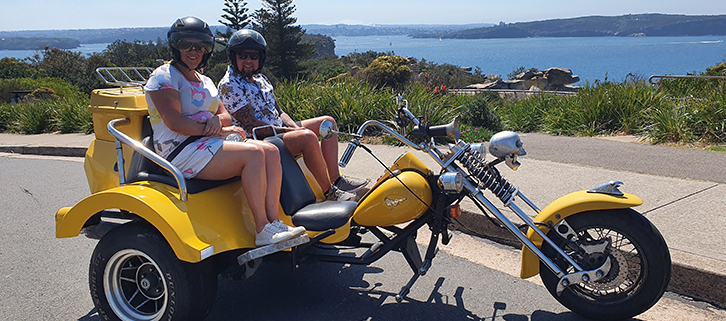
point(235, 92)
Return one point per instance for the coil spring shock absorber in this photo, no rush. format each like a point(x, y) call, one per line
point(487, 176)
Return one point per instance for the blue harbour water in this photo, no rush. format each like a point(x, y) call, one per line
point(87, 48)
point(590, 58)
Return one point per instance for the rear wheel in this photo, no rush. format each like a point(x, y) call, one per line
point(134, 275)
point(640, 264)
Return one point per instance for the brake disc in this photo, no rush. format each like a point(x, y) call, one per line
point(616, 277)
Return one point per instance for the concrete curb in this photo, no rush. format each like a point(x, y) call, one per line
point(691, 281)
point(44, 150)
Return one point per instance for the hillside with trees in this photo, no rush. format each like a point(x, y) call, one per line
point(599, 26)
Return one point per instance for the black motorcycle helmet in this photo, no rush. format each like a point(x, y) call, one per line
point(190, 27)
point(246, 39)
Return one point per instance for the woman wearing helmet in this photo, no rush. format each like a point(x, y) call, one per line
point(188, 122)
point(248, 96)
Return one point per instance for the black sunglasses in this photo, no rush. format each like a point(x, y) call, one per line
point(245, 55)
point(202, 47)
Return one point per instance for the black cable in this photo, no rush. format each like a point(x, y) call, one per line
point(396, 176)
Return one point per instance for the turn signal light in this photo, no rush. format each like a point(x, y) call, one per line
point(455, 210)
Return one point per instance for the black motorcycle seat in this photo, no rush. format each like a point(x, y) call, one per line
point(298, 200)
point(324, 215)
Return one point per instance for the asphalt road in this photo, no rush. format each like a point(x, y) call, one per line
point(44, 278)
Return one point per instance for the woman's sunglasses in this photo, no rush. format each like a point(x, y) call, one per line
point(245, 55)
point(203, 47)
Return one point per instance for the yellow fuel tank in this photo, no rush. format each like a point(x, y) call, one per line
point(390, 203)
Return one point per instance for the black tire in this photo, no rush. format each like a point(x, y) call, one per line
point(134, 275)
point(640, 270)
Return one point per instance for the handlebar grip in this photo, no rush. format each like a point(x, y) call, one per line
point(348, 153)
point(438, 131)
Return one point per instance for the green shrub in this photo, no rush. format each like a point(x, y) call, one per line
point(72, 116)
point(389, 71)
point(34, 117)
point(42, 93)
point(42, 116)
point(353, 101)
point(479, 111)
point(670, 123)
point(8, 118)
point(59, 86)
point(526, 115)
point(476, 134)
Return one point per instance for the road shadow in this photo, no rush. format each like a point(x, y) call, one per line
point(329, 292)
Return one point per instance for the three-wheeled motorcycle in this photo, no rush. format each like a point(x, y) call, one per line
point(163, 240)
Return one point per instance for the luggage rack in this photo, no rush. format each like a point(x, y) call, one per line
point(127, 76)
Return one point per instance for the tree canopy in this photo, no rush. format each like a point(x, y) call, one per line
point(284, 49)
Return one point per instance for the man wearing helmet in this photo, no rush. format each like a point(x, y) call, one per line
point(247, 95)
point(188, 119)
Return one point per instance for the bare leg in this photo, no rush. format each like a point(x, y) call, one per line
point(328, 147)
point(247, 161)
point(274, 178)
point(306, 142)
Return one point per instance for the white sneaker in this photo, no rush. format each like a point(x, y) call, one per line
point(271, 234)
point(296, 231)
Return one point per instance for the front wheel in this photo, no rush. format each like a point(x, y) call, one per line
point(134, 275)
point(640, 264)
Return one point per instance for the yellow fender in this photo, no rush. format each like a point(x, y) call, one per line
point(210, 222)
point(563, 207)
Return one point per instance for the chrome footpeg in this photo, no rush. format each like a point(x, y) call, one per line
point(272, 248)
point(584, 276)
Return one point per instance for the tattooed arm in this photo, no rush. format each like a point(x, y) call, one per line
point(286, 119)
point(246, 118)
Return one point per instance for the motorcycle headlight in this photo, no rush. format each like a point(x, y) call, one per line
point(478, 149)
point(451, 182)
point(506, 143)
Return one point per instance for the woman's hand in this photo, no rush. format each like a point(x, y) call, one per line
point(213, 126)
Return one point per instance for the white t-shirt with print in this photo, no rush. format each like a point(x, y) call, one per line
point(195, 97)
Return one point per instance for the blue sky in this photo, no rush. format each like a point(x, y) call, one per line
point(92, 14)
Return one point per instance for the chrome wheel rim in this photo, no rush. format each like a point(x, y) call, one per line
point(135, 287)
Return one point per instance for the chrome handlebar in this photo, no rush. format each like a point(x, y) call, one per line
point(141, 149)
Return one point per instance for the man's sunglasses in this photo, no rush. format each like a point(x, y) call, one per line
point(245, 55)
point(203, 47)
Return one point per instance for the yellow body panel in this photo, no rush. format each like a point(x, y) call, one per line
point(406, 161)
point(113, 103)
point(372, 208)
point(390, 203)
point(100, 162)
point(563, 207)
point(214, 217)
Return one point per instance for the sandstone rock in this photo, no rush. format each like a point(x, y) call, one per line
point(529, 74)
point(507, 84)
point(560, 76)
point(552, 79)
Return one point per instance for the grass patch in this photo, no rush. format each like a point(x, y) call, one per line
point(718, 148)
point(67, 115)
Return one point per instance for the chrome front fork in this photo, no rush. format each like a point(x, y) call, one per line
point(580, 275)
